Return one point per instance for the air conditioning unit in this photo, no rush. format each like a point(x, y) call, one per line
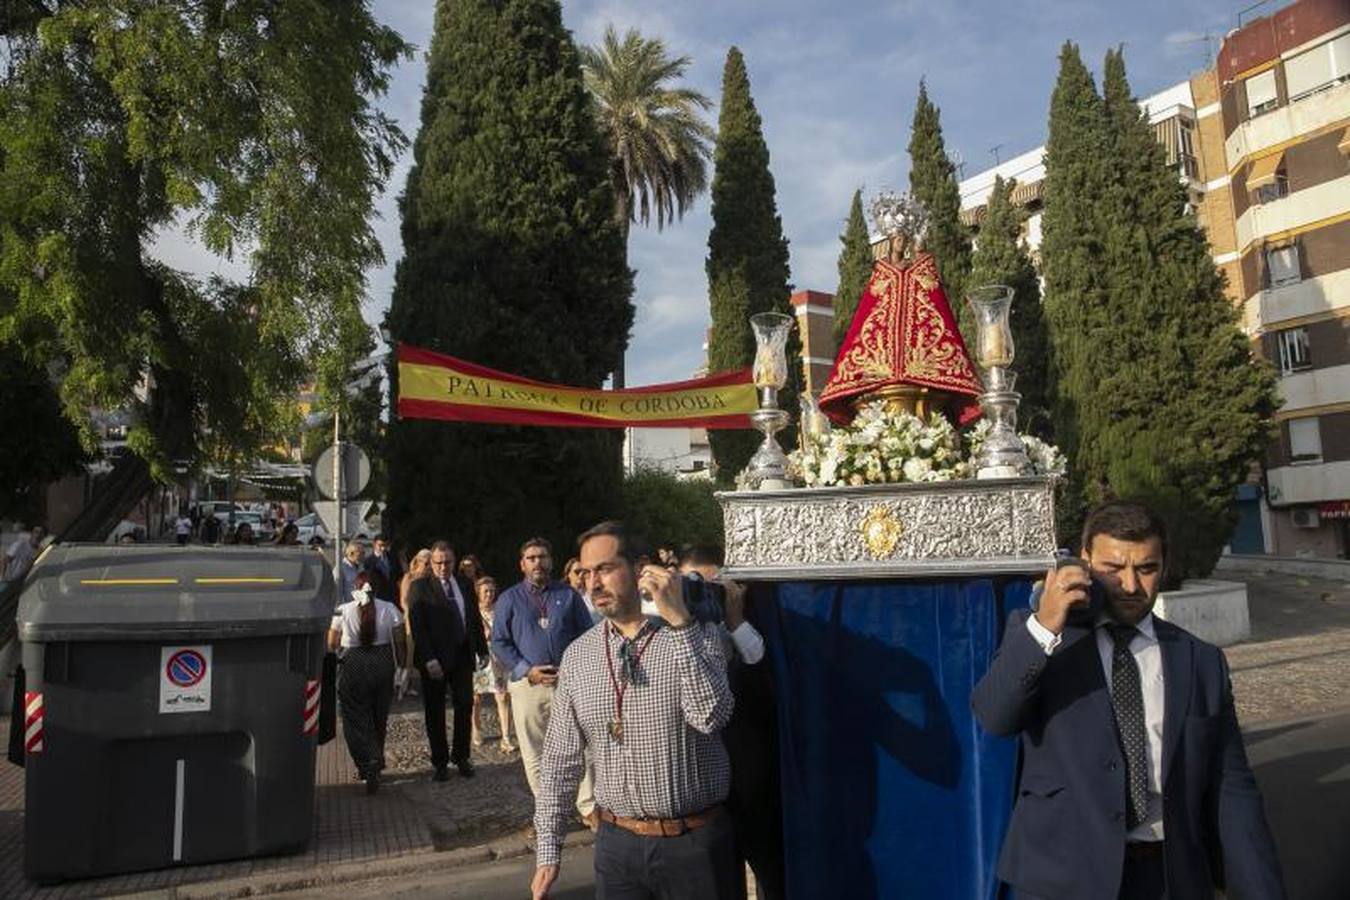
point(1306, 518)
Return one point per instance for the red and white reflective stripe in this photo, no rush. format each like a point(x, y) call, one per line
point(312, 692)
point(34, 735)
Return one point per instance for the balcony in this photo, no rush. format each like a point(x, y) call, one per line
point(1267, 309)
point(1307, 114)
point(1315, 483)
point(1314, 387)
point(1294, 211)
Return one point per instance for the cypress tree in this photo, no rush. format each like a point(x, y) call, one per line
point(512, 259)
point(932, 181)
point(1072, 263)
point(747, 261)
point(1189, 407)
point(1001, 258)
point(855, 268)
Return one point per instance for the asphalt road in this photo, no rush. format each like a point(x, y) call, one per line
point(1303, 768)
point(1304, 772)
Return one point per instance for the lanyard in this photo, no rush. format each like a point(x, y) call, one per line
point(620, 687)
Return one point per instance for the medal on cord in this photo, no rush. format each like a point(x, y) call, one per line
point(630, 653)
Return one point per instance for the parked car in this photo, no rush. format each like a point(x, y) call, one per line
point(310, 528)
point(262, 528)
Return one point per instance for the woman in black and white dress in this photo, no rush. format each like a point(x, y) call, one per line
point(368, 634)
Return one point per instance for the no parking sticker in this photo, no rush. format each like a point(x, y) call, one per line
point(185, 679)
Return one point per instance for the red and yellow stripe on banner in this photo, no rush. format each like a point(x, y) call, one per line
point(435, 386)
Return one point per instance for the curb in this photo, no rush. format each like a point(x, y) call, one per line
point(354, 872)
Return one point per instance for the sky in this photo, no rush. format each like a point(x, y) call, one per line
point(835, 84)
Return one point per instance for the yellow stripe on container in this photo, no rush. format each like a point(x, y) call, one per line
point(240, 580)
point(120, 581)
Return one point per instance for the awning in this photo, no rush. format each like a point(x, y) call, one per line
point(1335, 509)
point(1263, 171)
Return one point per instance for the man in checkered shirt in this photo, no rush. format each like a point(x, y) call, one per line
point(647, 698)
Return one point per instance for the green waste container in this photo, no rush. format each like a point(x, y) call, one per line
point(171, 705)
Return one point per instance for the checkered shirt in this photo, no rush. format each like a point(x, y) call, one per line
point(671, 761)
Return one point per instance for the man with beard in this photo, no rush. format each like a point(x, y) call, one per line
point(534, 622)
point(1134, 781)
point(447, 632)
point(647, 697)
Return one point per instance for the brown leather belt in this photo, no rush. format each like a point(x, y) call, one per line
point(1143, 849)
point(660, 827)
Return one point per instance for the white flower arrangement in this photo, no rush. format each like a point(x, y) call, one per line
point(1045, 457)
point(881, 448)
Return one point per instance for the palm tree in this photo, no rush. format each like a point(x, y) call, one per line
point(658, 140)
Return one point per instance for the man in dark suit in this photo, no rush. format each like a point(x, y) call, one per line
point(1134, 782)
point(448, 641)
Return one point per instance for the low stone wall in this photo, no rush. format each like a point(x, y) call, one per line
point(1212, 610)
point(1337, 569)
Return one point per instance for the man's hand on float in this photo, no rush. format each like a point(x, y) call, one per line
point(666, 589)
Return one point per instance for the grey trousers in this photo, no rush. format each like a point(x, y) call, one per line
point(699, 865)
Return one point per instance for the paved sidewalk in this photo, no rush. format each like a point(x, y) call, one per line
point(408, 821)
point(1294, 665)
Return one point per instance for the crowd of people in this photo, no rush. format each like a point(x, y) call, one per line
point(677, 635)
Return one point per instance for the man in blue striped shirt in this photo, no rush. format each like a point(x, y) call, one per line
point(533, 624)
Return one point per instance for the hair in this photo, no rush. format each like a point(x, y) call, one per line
point(484, 580)
point(537, 542)
point(1126, 521)
point(424, 554)
point(571, 564)
point(702, 555)
point(380, 537)
point(367, 612)
point(442, 546)
point(353, 545)
point(632, 546)
point(469, 559)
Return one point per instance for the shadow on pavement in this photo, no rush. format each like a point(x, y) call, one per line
point(1306, 785)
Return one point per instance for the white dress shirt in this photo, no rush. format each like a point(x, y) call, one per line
point(1148, 656)
point(749, 643)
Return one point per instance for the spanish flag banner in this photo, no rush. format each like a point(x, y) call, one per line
point(435, 386)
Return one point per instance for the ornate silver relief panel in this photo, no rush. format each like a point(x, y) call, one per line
point(936, 529)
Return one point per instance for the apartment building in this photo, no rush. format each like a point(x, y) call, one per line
point(1284, 108)
point(815, 324)
point(1262, 143)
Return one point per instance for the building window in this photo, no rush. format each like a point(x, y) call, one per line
point(1293, 344)
point(1283, 265)
point(1274, 190)
point(1305, 440)
point(1318, 69)
point(1261, 95)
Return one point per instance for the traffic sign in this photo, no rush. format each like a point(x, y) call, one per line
point(355, 471)
point(353, 519)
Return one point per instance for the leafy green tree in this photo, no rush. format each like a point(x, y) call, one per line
point(747, 261)
point(512, 259)
point(1001, 258)
point(671, 511)
point(1189, 407)
point(37, 443)
point(932, 181)
point(1075, 287)
point(252, 124)
point(855, 268)
point(658, 140)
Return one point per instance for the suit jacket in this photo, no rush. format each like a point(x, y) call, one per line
point(437, 629)
point(1067, 834)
